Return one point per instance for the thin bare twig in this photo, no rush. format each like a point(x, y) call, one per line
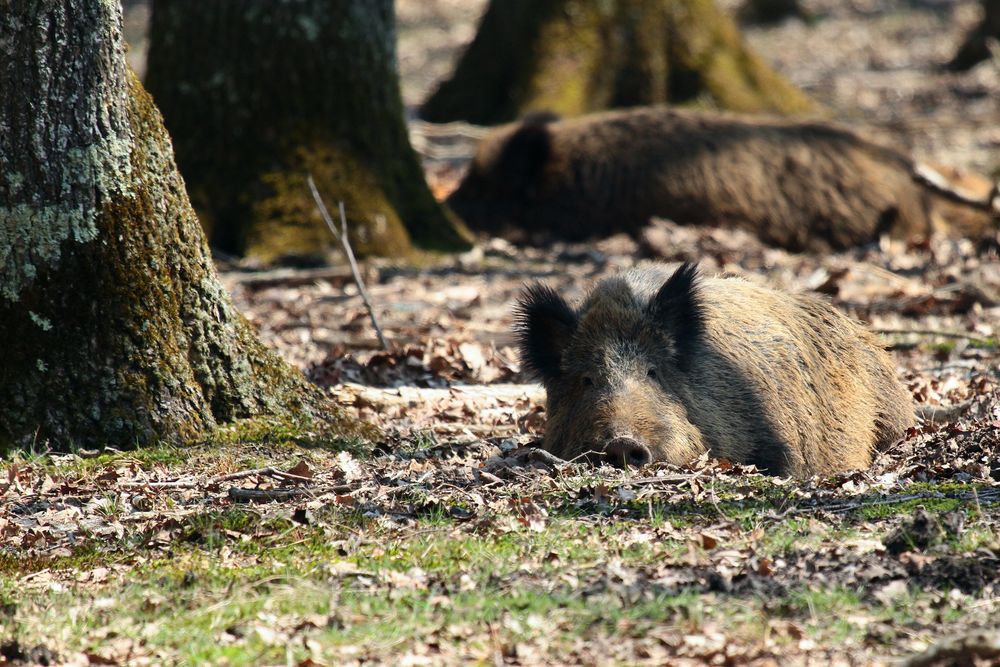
point(341, 235)
point(269, 471)
point(930, 332)
point(241, 474)
point(241, 495)
point(177, 484)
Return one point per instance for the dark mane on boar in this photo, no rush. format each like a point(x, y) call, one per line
point(801, 185)
point(659, 365)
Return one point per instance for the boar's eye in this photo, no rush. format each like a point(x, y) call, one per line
point(588, 381)
point(651, 373)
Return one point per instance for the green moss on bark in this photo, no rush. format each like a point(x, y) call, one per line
point(127, 336)
point(287, 223)
point(578, 56)
point(258, 94)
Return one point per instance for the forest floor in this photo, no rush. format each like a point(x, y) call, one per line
point(451, 540)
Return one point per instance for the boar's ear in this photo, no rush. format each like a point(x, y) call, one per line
point(544, 324)
point(525, 153)
point(677, 308)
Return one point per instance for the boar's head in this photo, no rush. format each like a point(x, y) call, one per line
point(505, 175)
point(617, 370)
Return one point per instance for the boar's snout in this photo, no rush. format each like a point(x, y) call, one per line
point(622, 451)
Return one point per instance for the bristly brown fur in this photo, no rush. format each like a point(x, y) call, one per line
point(800, 185)
point(678, 364)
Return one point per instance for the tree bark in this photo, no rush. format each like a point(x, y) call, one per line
point(115, 328)
point(258, 94)
point(576, 56)
point(975, 48)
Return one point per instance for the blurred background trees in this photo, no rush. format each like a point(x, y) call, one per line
point(575, 56)
point(258, 94)
point(116, 329)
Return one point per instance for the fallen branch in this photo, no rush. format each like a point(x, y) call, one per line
point(242, 474)
point(239, 495)
point(177, 484)
point(671, 479)
point(936, 181)
point(341, 235)
point(269, 471)
point(242, 495)
point(536, 455)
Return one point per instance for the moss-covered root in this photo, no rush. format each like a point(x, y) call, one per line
point(577, 56)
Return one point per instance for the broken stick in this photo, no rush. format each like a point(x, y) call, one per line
point(341, 235)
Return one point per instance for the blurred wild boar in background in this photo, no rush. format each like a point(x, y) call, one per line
point(661, 366)
point(799, 185)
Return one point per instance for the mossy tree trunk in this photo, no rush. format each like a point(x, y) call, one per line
point(115, 328)
point(258, 94)
point(975, 48)
point(575, 56)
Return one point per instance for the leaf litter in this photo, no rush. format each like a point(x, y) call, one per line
point(460, 423)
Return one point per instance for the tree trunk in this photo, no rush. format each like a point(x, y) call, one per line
point(975, 48)
point(115, 328)
point(576, 56)
point(258, 94)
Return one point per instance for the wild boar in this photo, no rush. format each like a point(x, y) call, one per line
point(661, 366)
point(799, 185)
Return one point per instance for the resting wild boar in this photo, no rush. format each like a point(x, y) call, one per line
point(795, 184)
point(655, 366)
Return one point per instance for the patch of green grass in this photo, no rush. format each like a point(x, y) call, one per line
point(146, 457)
point(420, 441)
point(85, 556)
point(240, 579)
point(881, 511)
point(824, 609)
point(984, 343)
point(795, 533)
point(286, 432)
point(943, 348)
point(185, 605)
point(236, 586)
point(975, 536)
